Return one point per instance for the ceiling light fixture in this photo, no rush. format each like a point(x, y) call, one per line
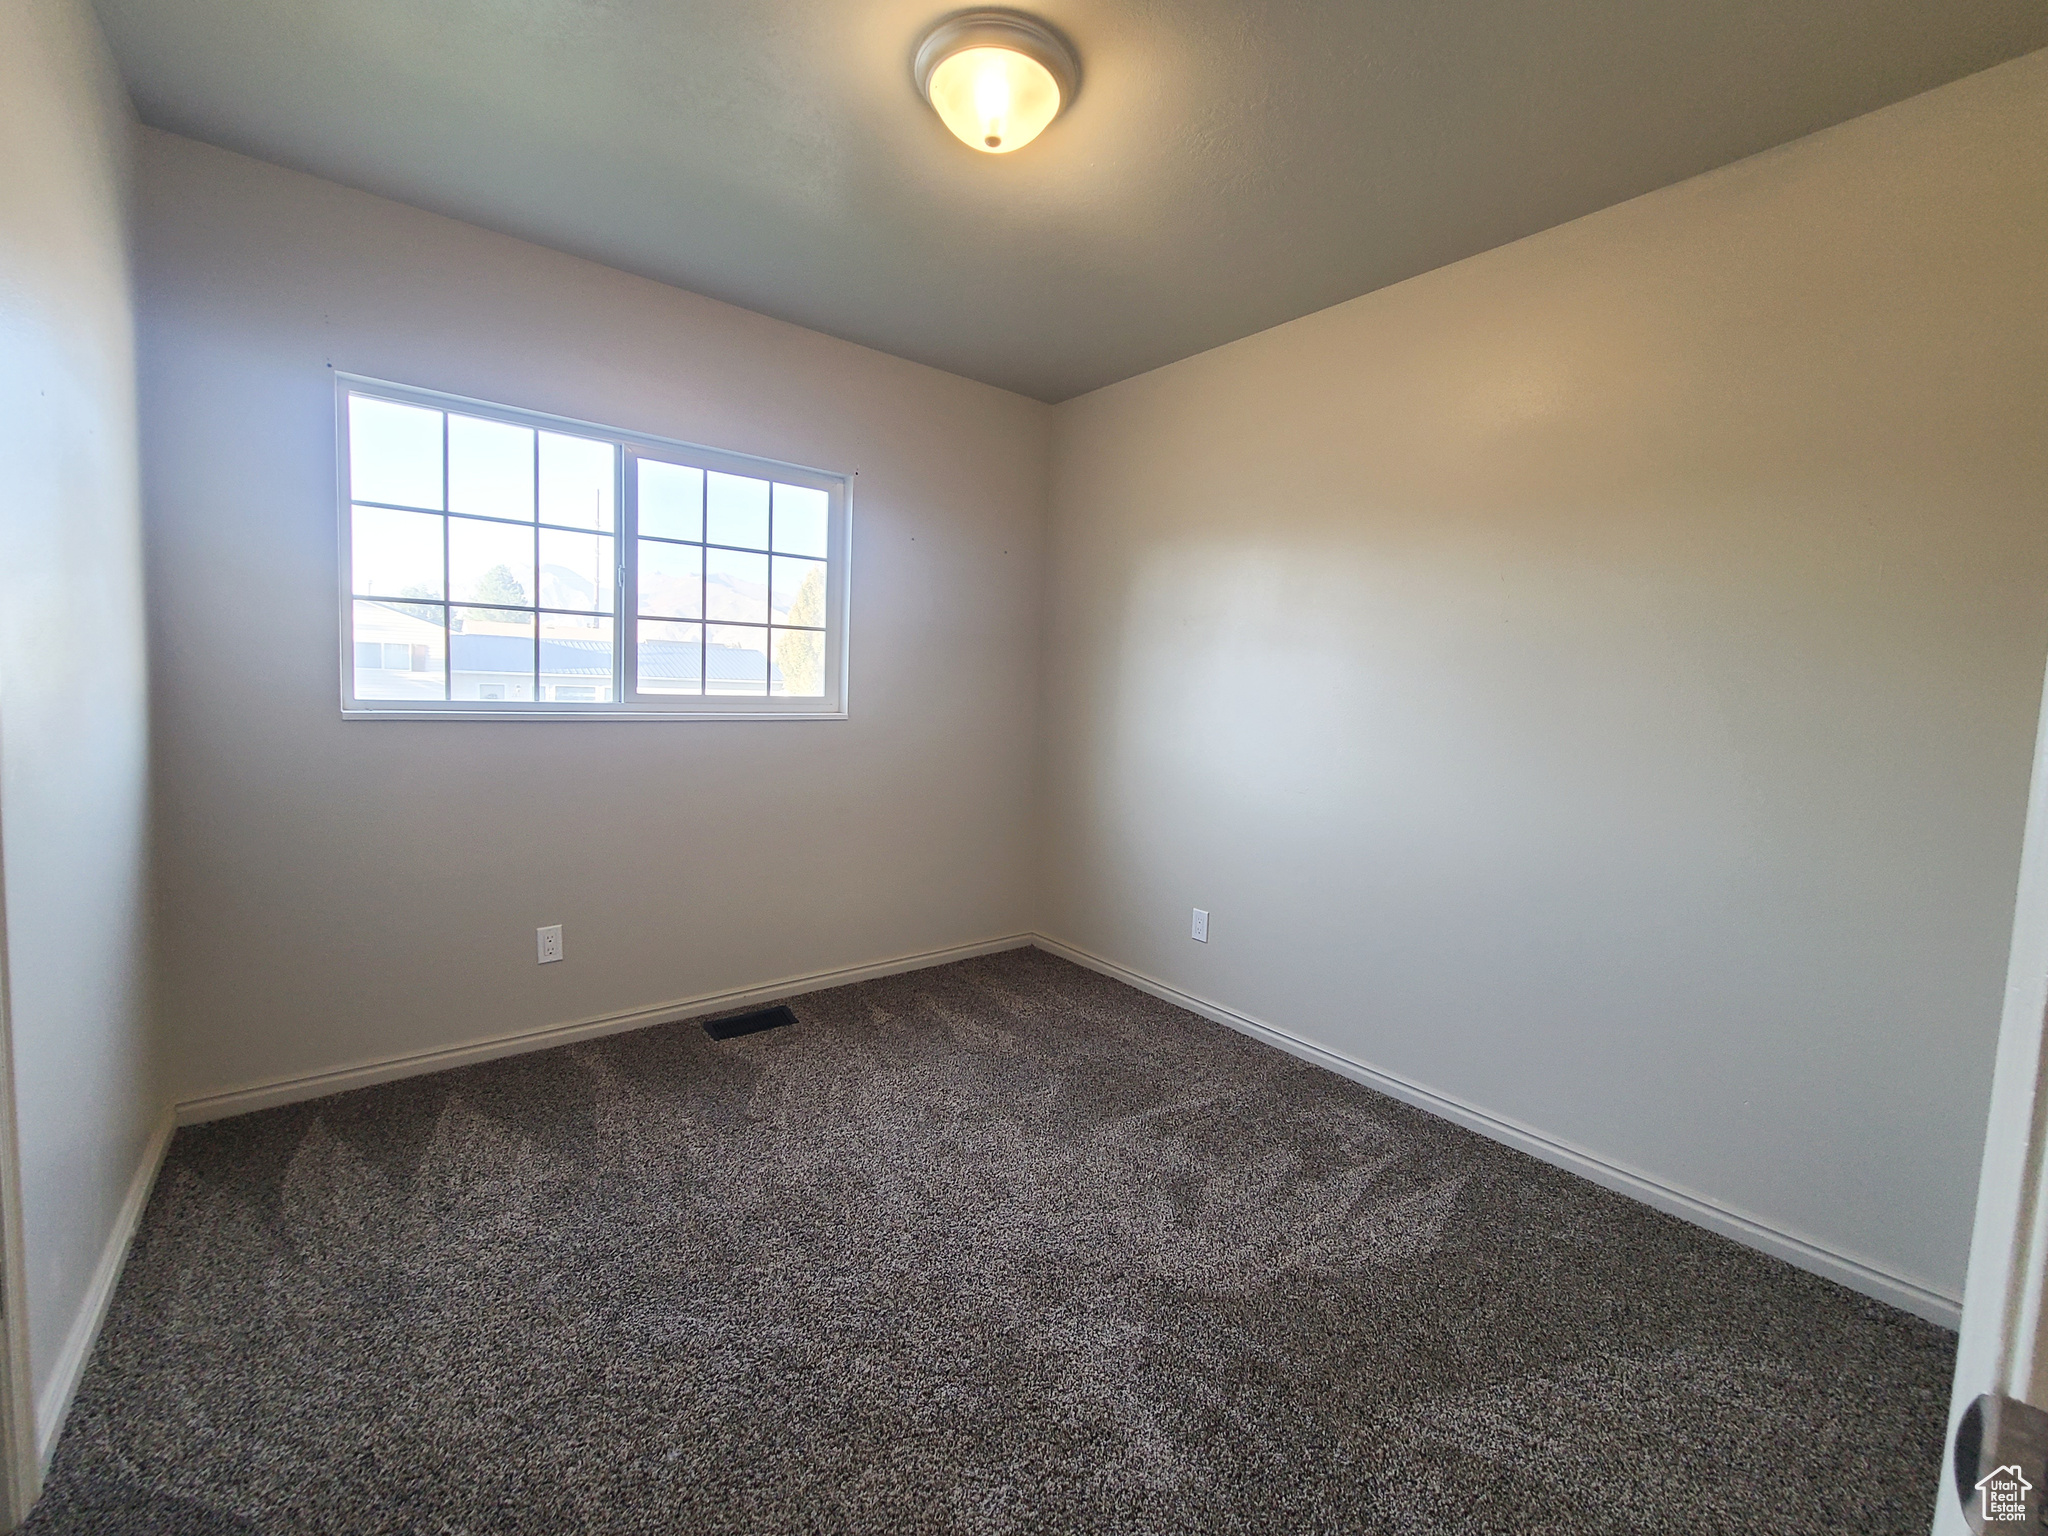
point(996, 78)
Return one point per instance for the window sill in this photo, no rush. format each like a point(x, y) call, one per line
point(564, 716)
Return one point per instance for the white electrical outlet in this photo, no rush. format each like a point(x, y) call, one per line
point(1201, 930)
point(550, 943)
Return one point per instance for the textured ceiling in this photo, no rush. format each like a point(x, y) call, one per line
point(1226, 166)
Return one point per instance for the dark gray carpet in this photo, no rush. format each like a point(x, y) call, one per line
point(1002, 1246)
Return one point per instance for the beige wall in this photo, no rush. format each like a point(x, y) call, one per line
point(1595, 682)
point(73, 690)
point(1592, 683)
point(340, 892)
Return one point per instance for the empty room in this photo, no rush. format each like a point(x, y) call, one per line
point(1108, 768)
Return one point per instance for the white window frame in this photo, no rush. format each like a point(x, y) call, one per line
point(632, 447)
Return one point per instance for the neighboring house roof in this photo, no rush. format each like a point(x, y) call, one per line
point(660, 660)
point(394, 624)
point(514, 654)
point(668, 661)
point(671, 661)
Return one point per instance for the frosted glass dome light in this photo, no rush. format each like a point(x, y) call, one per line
point(996, 78)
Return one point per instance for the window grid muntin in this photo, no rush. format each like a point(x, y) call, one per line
point(702, 619)
point(447, 572)
point(448, 602)
point(833, 509)
point(510, 522)
point(446, 409)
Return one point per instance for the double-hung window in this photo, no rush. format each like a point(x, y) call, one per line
point(500, 563)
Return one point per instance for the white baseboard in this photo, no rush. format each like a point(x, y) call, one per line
point(1804, 1252)
point(53, 1404)
point(316, 1085)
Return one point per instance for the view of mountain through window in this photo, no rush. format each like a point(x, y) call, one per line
point(496, 562)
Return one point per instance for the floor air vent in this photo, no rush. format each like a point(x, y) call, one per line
point(734, 1024)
